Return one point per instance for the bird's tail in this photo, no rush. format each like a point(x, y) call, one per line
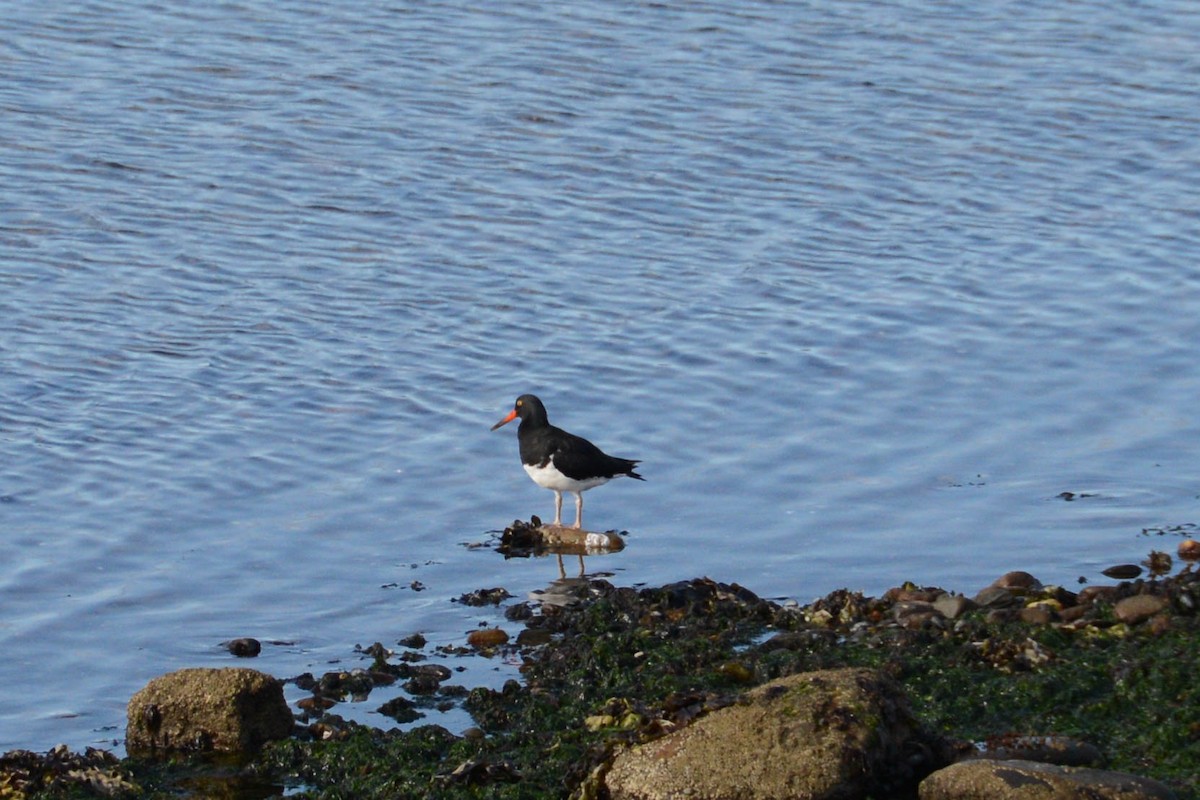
point(628, 465)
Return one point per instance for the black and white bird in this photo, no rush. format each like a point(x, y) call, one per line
point(561, 461)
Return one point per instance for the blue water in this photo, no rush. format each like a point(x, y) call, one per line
point(865, 285)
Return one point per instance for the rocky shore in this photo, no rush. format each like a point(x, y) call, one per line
point(703, 689)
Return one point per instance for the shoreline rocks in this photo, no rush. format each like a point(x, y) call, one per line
point(682, 676)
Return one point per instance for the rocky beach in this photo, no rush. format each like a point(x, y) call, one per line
point(703, 689)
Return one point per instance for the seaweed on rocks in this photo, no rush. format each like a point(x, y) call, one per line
point(620, 666)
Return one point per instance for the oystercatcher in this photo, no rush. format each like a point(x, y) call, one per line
point(561, 461)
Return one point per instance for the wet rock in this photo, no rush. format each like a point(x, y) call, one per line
point(229, 710)
point(1098, 594)
point(244, 647)
point(1018, 581)
point(415, 642)
point(953, 606)
point(996, 597)
point(1072, 613)
point(1189, 550)
point(480, 771)
point(355, 684)
point(827, 734)
point(484, 597)
point(1123, 572)
point(305, 681)
point(520, 612)
point(487, 638)
point(400, 709)
point(797, 640)
point(1139, 608)
point(523, 539)
point(94, 773)
point(910, 592)
point(534, 637)
point(916, 614)
point(986, 779)
point(1061, 750)
point(425, 679)
point(1158, 562)
point(1041, 613)
point(316, 705)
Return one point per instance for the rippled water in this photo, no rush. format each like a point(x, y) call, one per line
point(865, 285)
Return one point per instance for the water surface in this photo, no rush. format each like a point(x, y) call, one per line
point(866, 286)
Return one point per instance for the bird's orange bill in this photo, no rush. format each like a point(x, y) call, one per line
point(511, 416)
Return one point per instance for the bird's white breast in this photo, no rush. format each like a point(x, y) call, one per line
point(548, 477)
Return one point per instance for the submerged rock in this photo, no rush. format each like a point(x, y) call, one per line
point(826, 734)
point(229, 710)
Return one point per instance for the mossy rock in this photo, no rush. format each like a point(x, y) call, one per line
point(826, 734)
point(229, 710)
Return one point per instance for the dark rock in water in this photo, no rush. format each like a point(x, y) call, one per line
point(437, 672)
point(316, 705)
point(244, 647)
point(356, 684)
point(826, 734)
point(400, 709)
point(519, 612)
point(228, 710)
point(416, 641)
point(1123, 572)
point(484, 597)
point(1030, 780)
point(422, 684)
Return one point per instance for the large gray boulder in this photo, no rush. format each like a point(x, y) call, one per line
point(840, 733)
point(229, 710)
point(987, 779)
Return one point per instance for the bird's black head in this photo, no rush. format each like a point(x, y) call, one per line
point(529, 408)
